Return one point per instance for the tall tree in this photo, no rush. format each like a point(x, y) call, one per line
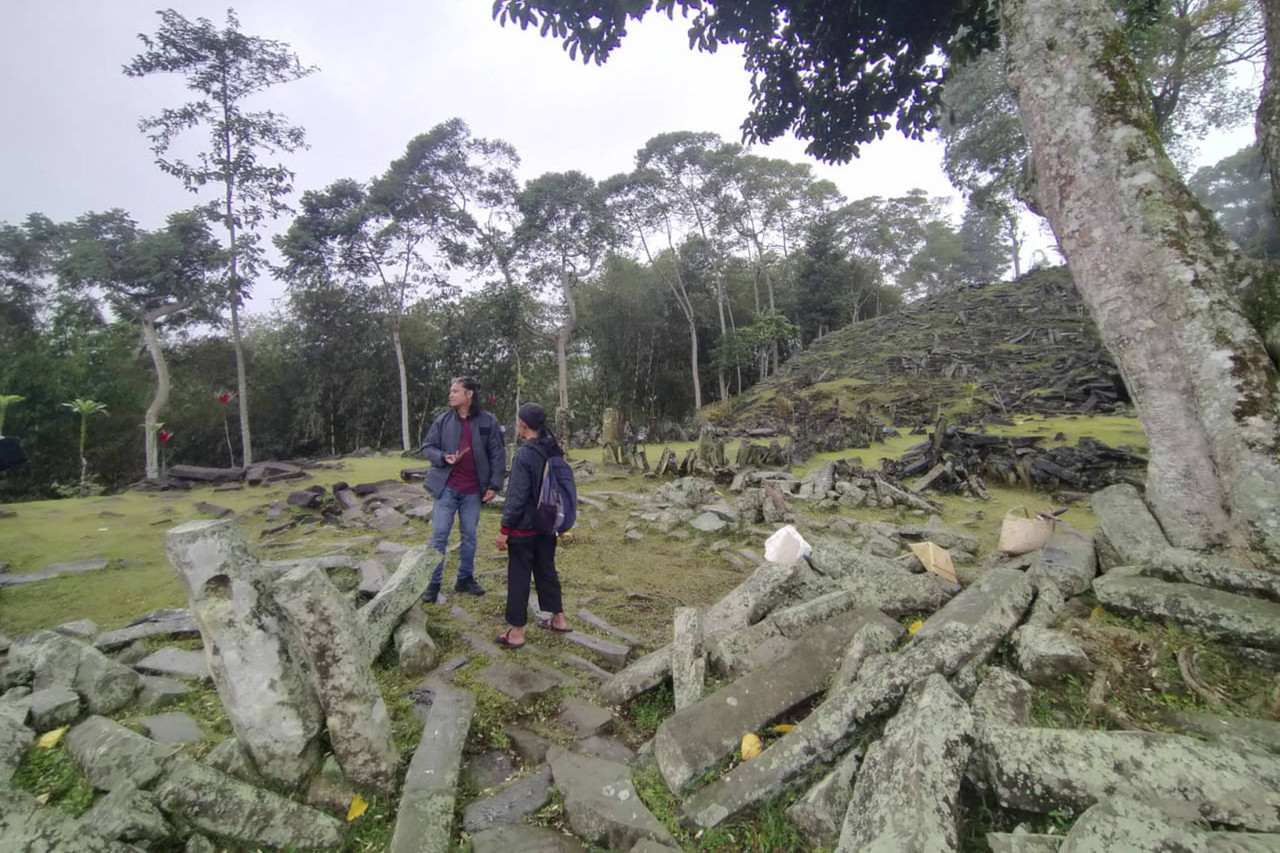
point(565, 230)
point(1267, 119)
point(149, 277)
point(1157, 273)
point(1236, 189)
point(224, 69)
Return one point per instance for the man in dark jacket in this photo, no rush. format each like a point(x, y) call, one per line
point(468, 463)
point(529, 553)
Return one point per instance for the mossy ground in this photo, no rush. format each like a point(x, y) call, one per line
point(631, 584)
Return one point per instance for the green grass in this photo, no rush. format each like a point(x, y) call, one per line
point(51, 774)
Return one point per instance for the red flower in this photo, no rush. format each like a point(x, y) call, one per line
point(492, 400)
point(165, 436)
point(226, 397)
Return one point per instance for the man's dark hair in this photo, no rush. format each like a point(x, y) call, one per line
point(469, 384)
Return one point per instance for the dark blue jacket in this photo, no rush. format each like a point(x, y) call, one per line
point(526, 481)
point(486, 446)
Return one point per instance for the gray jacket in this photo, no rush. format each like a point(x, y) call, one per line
point(486, 446)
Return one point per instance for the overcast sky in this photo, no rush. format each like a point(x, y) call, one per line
point(388, 70)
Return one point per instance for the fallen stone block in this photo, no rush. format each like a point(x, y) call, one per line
point(1043, 655)
point(416, 652)
point(583, 717)
point(525, 686)
point(26, 825)
point(601, 803)
point(378, 619)
point(1067, 561)
point(52, 707)
point(968, 626)
point(907, 793)
point(1225, 616)
point(819, 813)
point(694, 739)
point(14, 740)
point(336, 651)
point(510, 838)
point(157, 691)
point(176, 663)
point(127, 814)
point(1040, 770)
point(612, 654)
point(1127, 533)
point(425, 817)
point(522, 797)
point(225, 807)
point(111, 756)
point(272, 707)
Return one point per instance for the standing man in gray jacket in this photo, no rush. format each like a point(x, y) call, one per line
point(468, 463)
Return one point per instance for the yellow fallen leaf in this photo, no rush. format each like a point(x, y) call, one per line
point(358, 807)
point(751, 746)
point(49, 740)
point(915, 626)
point(782, 728)
point(1097, 611)
point(43, 799)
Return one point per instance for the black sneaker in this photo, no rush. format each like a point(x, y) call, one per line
point(470, 585)
point(432, 593)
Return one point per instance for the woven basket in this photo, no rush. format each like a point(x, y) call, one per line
point(1021, 534)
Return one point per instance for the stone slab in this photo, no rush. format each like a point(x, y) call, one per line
point(519, 838)
point(601, 803)
point(1224, 616)
point(583, 717)
point(614, 655)
point(180, 625)
point(176, 663)
point(522, 797)
point(424, 821)
point(525, 686)
point(172, 727)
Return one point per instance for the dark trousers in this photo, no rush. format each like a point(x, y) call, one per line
point(531, 556)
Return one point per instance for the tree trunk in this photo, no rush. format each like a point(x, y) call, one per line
point(404, 385)
point(161, 398)
point(693, 360)
point(562, 337)
point(1156, 273)
point(242, 386)
point(1267, 126)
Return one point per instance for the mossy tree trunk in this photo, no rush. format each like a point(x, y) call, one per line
point(1158, 275)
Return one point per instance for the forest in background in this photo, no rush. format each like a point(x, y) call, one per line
point(656, 292)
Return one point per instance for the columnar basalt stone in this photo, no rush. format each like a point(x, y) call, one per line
point(176, 624)
point(415, 650)
point(111, 756)
point(272, 707)
point(378, 619)
point(1067, 561)
point(425, 818)
point(819, 814)
point(1040, 770)
point(873, 637)
point(355, 712)
point(601, 803)
point(513, 837)
point(27, 825)
point(522, 797)
point(228, 808)
point(688, 667)
point(965, 628)
point(127, 814)
point(1127, 533)
point(693, 739)
point(908, 788)
point(14, 740)
point(1043, 655)
point(766, 588)
point(1225, 616)
point(56, 660)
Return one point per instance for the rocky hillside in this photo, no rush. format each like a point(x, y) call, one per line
point(972, 355)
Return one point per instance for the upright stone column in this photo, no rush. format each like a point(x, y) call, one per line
point(325, 628)
point(271, 706)
point(688, 667)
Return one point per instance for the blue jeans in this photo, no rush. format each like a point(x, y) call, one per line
point(467, 508)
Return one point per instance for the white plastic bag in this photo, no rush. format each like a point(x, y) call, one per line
point(786, 545)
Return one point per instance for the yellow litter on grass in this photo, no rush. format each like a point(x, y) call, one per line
point(782, 728)
point(915, 626)
point(358, 807)
point(751, 746)
point(49, 740)
point(1097, 612)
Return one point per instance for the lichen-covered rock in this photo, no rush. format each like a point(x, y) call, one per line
point(228, 808)
point(906, 795)
point(111, 756)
